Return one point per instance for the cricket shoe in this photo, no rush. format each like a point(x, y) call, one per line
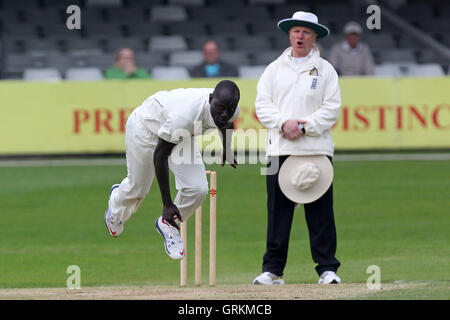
point(172, 240)
point(329, 277)
point(268, 278)
point(114, 226)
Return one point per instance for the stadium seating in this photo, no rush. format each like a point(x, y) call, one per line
point(170, 73)
point(84, 74)
point(15, 64)
point(268, 28)
point(329, 41)
point(145, 30)
point(188, 59)
point(171, 33)
point(387, 70)
point(381, 41)
point(283, 11)
point(149, 60)
point(106, 3)
point(61, 3)
point(136, 43)
point(424, 70)
point(398, 55)
point(265, 57)
point(82, 44)
point(251, 72)
point(236, 57)
point(102, 61)
point(195, 42)
point(267, 1)
point(227, 28)
point(406, 69)
point(168, 13)
point(22, 3)
point(122, 15)
point(44, 74)
point(207, 13)
point(258, 42)
point(280, 41)
point(53, 59)
point(189, 28)
point(167, 43)
point(187, 2)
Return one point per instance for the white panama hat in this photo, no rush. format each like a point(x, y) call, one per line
point(305, 19)
point(304, 179)
point(352, 27)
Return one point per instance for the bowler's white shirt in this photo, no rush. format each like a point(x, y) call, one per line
point(179, 112)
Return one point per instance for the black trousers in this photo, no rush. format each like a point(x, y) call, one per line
point(320, 221)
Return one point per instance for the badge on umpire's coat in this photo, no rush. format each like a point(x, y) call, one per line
point(313, 72)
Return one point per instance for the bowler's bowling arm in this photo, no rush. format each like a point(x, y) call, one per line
point(161, 162)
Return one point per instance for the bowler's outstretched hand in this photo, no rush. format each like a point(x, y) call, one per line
point(170, 213)
point(232, 161)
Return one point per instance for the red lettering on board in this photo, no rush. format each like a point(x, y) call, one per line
point(346, 120)
point(123, 117)
point(361, 118)
point(399, 118)
point(79, 117)
point(381, 120)
point(102, 119)
point(416, 114)
point(435, 117)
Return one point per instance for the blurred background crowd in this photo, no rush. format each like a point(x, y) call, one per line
point(181, 39)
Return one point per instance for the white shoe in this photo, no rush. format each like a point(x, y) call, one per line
point(268, 278)
point(114, 226)
point(172, 240)
point(329, 277)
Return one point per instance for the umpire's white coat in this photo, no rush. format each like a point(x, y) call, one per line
point(167, 115)
point(308, 92)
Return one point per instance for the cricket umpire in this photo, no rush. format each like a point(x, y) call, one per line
point(298, 100)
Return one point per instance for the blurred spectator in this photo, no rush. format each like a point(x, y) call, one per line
point(125, 67)
point(351, 57)
point(213, 66)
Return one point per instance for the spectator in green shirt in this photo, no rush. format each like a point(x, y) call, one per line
point(125, 67)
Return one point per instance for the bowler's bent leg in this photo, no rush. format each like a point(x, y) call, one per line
point(140, 144)
point(187, 165)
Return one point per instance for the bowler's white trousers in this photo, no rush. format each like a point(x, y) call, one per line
point(190, 176)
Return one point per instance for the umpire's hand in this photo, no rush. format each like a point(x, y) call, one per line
point(291, 130)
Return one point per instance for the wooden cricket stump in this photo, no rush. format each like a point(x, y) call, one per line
point(198, 239)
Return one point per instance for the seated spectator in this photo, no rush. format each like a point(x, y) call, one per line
point(125, 67)
point(351, 57)
point(213, 66)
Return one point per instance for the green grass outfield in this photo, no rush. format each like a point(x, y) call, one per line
point(393, 214)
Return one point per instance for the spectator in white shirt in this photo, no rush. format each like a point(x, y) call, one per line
point(351, 57)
